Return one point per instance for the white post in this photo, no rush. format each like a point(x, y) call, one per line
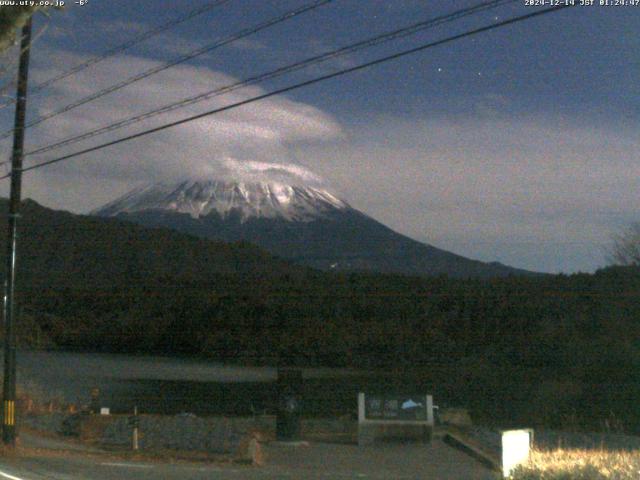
point(516, 445)
point(360, 407)
point(430, 410)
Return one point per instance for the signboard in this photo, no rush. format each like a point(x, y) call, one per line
point(396, 407)
point(393, 416)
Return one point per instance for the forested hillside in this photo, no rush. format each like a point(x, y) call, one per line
point(559, 348)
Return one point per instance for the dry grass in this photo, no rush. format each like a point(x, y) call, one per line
point(580, 465)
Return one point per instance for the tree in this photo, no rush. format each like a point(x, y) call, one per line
point(626, 246)
point(12, 18)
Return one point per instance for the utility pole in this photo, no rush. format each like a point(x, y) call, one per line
point(9, 386)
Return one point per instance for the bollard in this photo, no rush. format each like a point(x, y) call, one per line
point(134, 422)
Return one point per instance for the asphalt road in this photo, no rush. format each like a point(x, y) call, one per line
point(436, 461)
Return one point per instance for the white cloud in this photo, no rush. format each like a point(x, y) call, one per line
point(264, 131)
point(260, 171)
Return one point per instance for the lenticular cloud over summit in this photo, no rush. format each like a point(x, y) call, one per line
point(251, 171)
point(260, 133)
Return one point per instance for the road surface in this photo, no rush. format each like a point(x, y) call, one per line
point(435, 461)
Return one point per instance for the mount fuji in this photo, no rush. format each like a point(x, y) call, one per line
point(293, 218)
point(239, 200)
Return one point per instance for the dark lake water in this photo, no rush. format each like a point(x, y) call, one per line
point(174, 385)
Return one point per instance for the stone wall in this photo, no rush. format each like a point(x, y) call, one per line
point(179, 432)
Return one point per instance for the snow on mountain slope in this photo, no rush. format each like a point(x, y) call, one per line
point(252, 199)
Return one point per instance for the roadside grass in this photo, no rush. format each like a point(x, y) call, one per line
point(575, 464)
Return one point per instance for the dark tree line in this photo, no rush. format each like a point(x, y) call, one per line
point(556, 347)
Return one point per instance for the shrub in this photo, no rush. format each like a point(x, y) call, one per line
point(580, 465)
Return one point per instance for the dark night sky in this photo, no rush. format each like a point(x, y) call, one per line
point(518, 145)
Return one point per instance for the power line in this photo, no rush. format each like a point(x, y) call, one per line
point(372, 41)
point(299, 85)
point(124, 46)
point(195, 53)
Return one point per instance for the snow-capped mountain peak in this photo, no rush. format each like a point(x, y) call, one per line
point(199, 198)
